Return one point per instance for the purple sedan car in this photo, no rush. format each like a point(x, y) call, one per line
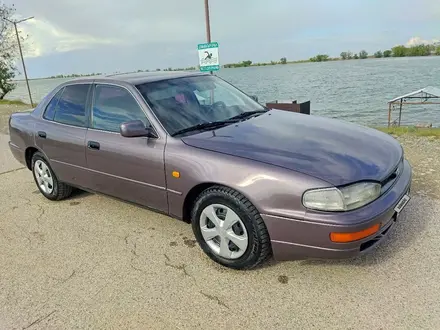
point(252, 181)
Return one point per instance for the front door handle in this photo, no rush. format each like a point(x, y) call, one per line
point(42, 134)
point(93, 145)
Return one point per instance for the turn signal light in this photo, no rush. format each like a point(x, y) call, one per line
point(354, 236)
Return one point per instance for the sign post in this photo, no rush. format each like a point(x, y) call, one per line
point(208, 57)
point(208, 25)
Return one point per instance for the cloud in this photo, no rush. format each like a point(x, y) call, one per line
point(81, 35)
point(415, 41)
point(46, 39)
point(134, 20)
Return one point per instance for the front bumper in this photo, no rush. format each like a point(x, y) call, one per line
point(310, 237)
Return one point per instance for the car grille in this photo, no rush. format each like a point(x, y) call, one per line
point(389, 181)
point(385, 229)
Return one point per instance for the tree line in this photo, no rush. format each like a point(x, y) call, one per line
point(397, 51)
point(247, 63)
point(74, 75)
point(418, 50)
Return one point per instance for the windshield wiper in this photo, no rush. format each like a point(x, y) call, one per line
point(247, 114)
point(202, 126)
point(214, 124)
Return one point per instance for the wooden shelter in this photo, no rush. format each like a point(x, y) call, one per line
point(427, 95)
point(293, 106)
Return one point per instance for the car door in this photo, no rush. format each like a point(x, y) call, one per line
point(62, 131)
point(128, 168)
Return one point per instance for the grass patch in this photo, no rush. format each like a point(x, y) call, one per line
point(410, 130)
point(17, 102)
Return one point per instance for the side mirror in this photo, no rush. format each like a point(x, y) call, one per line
point(136, 128)
point(254, 97)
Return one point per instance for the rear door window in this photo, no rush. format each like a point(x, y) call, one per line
point(113, 106)
point(71, 107)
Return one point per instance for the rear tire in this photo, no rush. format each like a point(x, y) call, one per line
point(46, 180)
point(223, 215)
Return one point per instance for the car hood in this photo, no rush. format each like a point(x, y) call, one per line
point(334, 151)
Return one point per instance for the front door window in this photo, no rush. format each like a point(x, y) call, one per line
point(113, 106)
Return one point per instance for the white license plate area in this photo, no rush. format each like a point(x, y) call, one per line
point(402, 203)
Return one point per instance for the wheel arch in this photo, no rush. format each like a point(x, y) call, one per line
point(195, 191)
point(29, 152)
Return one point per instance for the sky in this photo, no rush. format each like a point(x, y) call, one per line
point(83, 36)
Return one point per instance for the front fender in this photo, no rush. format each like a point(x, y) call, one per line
point(273, 190)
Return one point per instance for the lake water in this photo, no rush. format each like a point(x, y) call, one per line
point(355, 90)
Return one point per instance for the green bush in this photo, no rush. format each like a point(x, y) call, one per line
point(363, 54)
point(320, 58)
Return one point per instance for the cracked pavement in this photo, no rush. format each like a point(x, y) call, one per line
point(95, 262)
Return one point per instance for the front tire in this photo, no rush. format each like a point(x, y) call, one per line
point(46, 179)
point(229, 229)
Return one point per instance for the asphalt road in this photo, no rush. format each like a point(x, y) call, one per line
point(95, 262)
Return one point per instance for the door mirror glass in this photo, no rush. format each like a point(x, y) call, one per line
point(136, 128)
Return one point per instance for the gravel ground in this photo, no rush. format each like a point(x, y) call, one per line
point(424, 155)
point(95, 262)
point(5, 111)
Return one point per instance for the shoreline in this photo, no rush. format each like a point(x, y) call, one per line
point(315, 60)
point(235, 66)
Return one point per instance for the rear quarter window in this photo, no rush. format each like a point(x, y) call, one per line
point(49, 112)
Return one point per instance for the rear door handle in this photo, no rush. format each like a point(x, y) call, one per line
point(93, 145)
point(42, 134)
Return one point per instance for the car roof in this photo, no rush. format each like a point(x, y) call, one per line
point(136, 78)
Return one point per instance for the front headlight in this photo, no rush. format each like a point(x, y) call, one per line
point(342, 199)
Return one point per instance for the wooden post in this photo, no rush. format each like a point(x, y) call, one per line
point(400, 111)
point(389, 115)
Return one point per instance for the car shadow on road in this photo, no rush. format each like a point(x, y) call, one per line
point(410, 224)
point(78, 194)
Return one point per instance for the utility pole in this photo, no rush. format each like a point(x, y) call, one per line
point(208, 24)
point(21, 53)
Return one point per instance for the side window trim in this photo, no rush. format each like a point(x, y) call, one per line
point(89, 104)
point(93, 100)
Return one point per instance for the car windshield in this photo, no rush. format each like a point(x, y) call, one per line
point(182, 103)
